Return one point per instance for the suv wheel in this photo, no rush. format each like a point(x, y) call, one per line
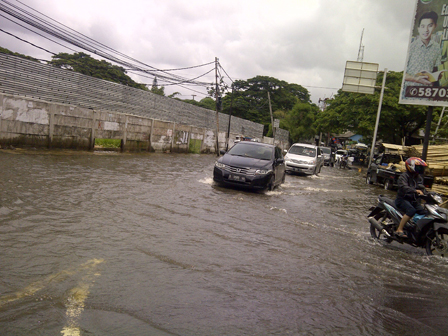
point(271, 183)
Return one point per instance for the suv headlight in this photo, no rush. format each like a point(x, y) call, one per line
point(220, 165)
point(262, 171)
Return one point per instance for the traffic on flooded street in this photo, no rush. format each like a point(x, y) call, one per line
point(96, 243)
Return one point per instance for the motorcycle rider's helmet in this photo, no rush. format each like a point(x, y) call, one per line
point(415, 165)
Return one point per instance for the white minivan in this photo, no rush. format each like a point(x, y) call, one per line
point(304, 158)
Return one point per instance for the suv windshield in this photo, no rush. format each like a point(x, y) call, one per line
point(301, 150)
point(252, 151)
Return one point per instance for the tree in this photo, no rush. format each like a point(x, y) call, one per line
point(250, 98)
point(299, 121)
point(9, 52)
point(85, 64)
point(206, 102)
point(155, 89)
point(357, 113)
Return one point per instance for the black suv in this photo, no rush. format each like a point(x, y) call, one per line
point(251, 164)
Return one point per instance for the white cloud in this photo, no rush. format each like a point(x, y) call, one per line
point(300, 41)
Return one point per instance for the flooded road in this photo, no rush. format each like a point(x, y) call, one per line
point(128, 244)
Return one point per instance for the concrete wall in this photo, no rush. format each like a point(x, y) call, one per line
point(28, 79)
point(36, 123)
point(46, 106)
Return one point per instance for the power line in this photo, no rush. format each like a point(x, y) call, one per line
point(86, 43)
point(34, 33)
point(27, 42)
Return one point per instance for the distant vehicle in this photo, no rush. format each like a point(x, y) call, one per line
point(326, 152)
point(304, 158)
point(340, 153)
point(384, 169)
point(251, 164)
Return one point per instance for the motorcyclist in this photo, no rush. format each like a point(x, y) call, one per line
point(410, 186)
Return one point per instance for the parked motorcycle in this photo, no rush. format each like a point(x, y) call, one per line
point(429, 231)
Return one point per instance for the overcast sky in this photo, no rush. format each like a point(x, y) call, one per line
point(299, 41)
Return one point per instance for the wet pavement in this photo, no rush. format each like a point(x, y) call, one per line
point(146, 244)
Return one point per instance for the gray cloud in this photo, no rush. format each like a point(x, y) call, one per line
point(300, 41)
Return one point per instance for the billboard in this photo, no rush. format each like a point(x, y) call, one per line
point(360, 77)
point(425, 77)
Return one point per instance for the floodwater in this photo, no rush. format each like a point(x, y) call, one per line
point(146, 244)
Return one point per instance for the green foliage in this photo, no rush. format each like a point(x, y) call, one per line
point(174, 94)
point(249, 99)
point(357, 112)
point(108, 143)
point(207, 102)
point(85, 64)
point(299, 121)
point(195, 146)
point(9, 52)
point(442, 131)
point(157, 90)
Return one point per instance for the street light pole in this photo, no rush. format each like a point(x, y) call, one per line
point(378, 117)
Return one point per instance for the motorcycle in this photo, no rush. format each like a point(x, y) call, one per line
point(343, 162)
point(429, 231)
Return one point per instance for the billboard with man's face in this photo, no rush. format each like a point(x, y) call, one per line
point(425, 77)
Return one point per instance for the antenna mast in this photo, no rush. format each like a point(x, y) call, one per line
point(361, 49)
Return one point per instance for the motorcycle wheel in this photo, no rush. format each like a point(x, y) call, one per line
point(387, 185)
point(379, 235)
point(441, 249)
point(369, 179)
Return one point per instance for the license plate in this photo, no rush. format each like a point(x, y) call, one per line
point(237, 178)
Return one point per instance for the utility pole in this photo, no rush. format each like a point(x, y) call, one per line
point(230, 118)
point(217, 108)
point(193, 96)
point(272, 118)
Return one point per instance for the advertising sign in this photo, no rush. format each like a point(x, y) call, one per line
point(425, 77)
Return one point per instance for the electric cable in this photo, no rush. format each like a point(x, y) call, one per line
point(64, 33)
point(80, 42)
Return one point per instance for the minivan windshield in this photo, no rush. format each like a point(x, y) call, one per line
point(302, 150)
point(252, 151)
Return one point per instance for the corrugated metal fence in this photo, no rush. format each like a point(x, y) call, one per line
point(26, 78)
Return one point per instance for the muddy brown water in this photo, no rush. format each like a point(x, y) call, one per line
point(146, 244)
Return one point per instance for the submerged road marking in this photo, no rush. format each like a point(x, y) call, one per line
point(75, 303)
point(57, 277)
